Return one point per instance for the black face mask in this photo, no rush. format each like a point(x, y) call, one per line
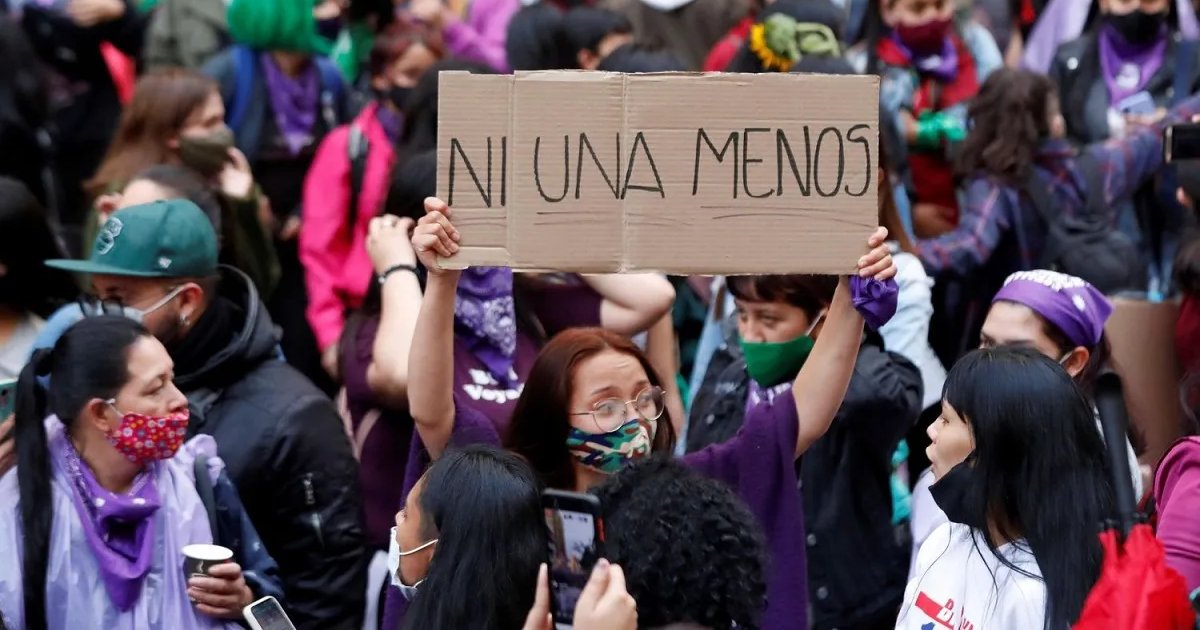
point(1138, 27)
point(955, 494)
point(398, 96)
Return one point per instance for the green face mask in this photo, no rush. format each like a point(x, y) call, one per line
point(770, 364)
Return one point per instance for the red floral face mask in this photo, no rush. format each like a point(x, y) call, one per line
point(143, 439)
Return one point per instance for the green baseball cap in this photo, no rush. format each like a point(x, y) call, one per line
point(163, 239)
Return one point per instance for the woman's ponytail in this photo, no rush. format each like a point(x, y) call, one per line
point(33, 478)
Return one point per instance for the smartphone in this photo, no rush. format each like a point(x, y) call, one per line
point(267, 614)
point(576, 542)
point(1181, 142)
point(1140, 104)
point(8, 398)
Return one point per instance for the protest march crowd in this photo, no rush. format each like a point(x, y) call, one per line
point(237, 361)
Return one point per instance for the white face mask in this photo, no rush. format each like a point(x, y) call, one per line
point(393, 562)
point(136, 314)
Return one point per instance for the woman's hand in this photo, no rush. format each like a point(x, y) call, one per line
point(223, 594)
point(435, 235)
point(604, 603)
point(236, 180)
point(431, 12)
point(878, 262)
point(388, 242)
point(89, 13)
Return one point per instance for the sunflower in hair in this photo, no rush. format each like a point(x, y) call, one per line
point(774, 42)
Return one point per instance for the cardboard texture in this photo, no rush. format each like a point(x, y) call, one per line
point(1142, 335)
point(680, 173)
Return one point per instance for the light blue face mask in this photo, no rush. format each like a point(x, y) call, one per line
point(393, 562)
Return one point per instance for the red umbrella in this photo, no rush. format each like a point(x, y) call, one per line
point(1136, 589)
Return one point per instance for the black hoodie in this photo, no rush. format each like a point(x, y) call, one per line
point(286, 450)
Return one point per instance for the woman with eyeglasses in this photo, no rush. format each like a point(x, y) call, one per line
point(592, 403)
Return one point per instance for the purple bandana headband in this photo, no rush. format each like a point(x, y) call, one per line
point(1071, 304)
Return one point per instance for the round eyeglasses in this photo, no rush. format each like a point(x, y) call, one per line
point(610, 414)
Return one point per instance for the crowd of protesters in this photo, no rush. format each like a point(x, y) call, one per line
point(223, 321)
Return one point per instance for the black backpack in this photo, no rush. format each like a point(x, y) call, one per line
point(1087, 245)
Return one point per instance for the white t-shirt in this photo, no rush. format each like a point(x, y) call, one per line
point(960, 585)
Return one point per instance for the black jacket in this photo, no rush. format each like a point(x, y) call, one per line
point(287, 452)
point(1076, 66)
point(857, 568)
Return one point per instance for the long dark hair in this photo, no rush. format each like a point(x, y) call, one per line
point(420, 124)
point(484, 507)
point(1009, 118)
point(26, 243)
point(540, 422)
point(1040, 471)
point(537, 39)
point(89, 361)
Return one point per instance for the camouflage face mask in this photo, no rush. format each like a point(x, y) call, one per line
point(608, 452)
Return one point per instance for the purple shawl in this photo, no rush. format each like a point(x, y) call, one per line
point(294, 101)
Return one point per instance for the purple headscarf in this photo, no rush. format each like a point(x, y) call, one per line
point(485, 315)
point(294, 101)
point(1118, 56)
point(1071, 304)
point(119, 527)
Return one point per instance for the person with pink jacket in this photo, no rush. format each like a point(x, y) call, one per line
point(353, 166)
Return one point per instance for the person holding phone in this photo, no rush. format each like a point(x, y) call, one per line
point(593, 402)
point(467, 545)
point(604, 604)
point(105, 496)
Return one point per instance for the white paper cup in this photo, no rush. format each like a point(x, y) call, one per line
point(198, 558)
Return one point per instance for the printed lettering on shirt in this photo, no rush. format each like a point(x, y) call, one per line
point(942, 614)
point(486, 388)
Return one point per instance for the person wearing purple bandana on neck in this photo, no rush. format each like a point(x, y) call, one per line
point(105, 496)
point(1124, 70)
point(1060, 316)
point(593, 402)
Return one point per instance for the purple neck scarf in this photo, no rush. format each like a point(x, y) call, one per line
point(391, 120)
point(1127, 68)
point(485, 316)
point(942, 66)
point(294, 101)
point(119, 527)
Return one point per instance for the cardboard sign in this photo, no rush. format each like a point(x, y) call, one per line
point(681, 173)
